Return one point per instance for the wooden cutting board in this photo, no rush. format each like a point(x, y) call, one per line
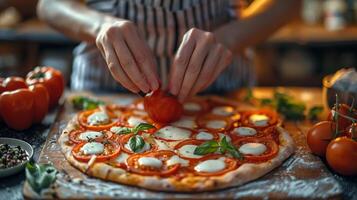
point(302, 176)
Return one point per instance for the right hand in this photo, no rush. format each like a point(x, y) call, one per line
point(127, 55)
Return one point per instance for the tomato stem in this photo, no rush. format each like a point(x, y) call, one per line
point(336, 116)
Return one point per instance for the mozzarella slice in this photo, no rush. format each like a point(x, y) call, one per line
point(255, 149)
point(186, 122)
point(187, 151)
point(134, 121)
point(216, 124)
point(223, 110)
point(259, 120)
point(204, 136)
point(177, 160)
point(173, 133)
point(211, 166)
point(117, 129)
point(245, 131)
point(150, 162)
point(98, 118)
point(190, 106)
point(122, 158)
point(88, 135)
point(92, 148)
point(221, 135)
point(145, 148)
point(162, 145)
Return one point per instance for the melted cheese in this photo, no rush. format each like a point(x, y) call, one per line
point(145, 148)
point(245, 131)
point(150, 162)
point(134, 121)
point(187, 151)
point(253, 148)
point(161, 145)
point(221, 135)
point(204, 136)
point(190, 106)
point(117, 129)
point(98, 118)
point(173, 133)
point(259, 120)
point(223, 110)
point(210, 166)
point(122, 158)
point(88, 135)
point(186, 122)
point(92, 148)
point(177, 160)
point(216, 124)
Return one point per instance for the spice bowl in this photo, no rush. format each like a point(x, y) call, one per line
point(17, 168)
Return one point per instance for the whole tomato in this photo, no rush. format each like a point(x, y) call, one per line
point(51, 78)
point(12, 83)
point(341, 155)
point(343, 123)
point(41, 102)
point(17, 108)
point(319, 136)
point(162, 107)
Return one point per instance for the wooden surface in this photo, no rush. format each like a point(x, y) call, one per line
point(301, 176)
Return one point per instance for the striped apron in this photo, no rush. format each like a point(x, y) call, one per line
point(162, 23)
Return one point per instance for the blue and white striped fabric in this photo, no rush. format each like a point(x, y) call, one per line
point(162, 23)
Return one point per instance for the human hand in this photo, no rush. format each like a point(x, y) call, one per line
point(197, 64)
point(127, 55)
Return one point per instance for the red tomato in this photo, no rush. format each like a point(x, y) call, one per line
point(352, 131)
point(83, 116)
point(343, 123)
point(51, 78)
point(13, 83)
point(162, 107)
point(231, 164)
point(271, 152)
point(74, 136)
point(2, 88)
point(17, 108)
point(41, 100)
point(111, 150)
point(164, 170)
point(319, 136)
point(341, 155)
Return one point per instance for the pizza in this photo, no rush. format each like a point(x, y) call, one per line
point(215, 144)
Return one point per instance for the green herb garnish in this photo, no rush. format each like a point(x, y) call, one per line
point(40, 176)
point(86, 103)
point(136, 143)
point(136, 129)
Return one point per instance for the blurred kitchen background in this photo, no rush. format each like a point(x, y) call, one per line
point(320, 41)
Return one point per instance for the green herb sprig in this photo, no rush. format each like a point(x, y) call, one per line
point(222, 147)
point(86, 103)
point(40, 176)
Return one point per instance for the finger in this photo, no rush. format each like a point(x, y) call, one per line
point(116, 70)
point(127, 62)
point(223, 62)
point(209, 66)
point(180, 63)
point(195, 65)
point(143, 57)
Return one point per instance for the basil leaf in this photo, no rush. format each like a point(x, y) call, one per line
point(40, 176)
point(142, 127)
point(136, 143)
point(227, 146)
point(206, 148)
point(121, 130)
point(235, 153)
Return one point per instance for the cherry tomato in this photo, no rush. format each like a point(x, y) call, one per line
point(111, 150)
point(164, 170)
point(41, 101)
point(51, 78)
point(341, 155)
point(319, 136)
point(343, 123)
point(271, 152)
point(162, 107)
point(12, 83)
point(83, 116)
point(231, 164)
point(352, 131)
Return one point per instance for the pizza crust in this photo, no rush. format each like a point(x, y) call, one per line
point(245, 173)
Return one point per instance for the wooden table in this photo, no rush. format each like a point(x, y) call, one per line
point(346, 187)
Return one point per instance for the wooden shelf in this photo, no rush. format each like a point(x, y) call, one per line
point(298, 33)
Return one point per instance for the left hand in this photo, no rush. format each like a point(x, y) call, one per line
point(197, 64)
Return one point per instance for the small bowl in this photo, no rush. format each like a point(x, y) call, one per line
point(25, 146)
point(329, 94)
